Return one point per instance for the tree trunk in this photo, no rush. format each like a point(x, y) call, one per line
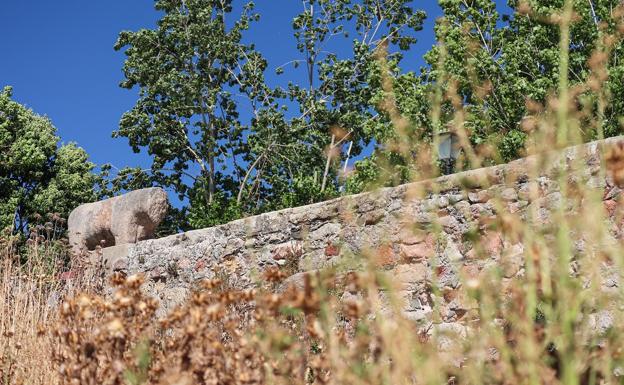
point(211, 158)
point(328, 163)
point(211, 166)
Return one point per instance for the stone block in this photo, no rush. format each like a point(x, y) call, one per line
point(418, 251)
point(408, 276)
point(127, 218)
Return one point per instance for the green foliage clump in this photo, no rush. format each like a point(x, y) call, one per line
point(37, 175)
point(496, 64)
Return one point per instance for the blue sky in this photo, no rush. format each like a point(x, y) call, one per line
point(59, 58)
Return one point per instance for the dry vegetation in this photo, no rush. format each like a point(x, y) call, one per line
point(548, 326)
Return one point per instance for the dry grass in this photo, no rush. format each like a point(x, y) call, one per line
point(34, 281)
point(27, 296)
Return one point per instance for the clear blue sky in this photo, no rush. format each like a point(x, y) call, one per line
point(59, 58)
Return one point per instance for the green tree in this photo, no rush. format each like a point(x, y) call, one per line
point(531, 51)
point(37, 176)
point(487, 68)
point(339, 110)
point(194, 76)
point(495, 65)
point(187, 118)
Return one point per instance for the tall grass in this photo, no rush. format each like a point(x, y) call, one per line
point(551, 314)
point(29, 294)
point(34, 280)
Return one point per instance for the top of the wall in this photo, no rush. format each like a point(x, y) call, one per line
point(269, 227)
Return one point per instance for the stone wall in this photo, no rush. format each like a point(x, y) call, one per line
point(392, 227)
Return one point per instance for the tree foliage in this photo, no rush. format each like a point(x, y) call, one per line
point(231, 145)
point(492, 71)
point(197, 81)
point(37, 175)
point(496, 64)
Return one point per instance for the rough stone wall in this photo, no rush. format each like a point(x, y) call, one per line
point(393, 227)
